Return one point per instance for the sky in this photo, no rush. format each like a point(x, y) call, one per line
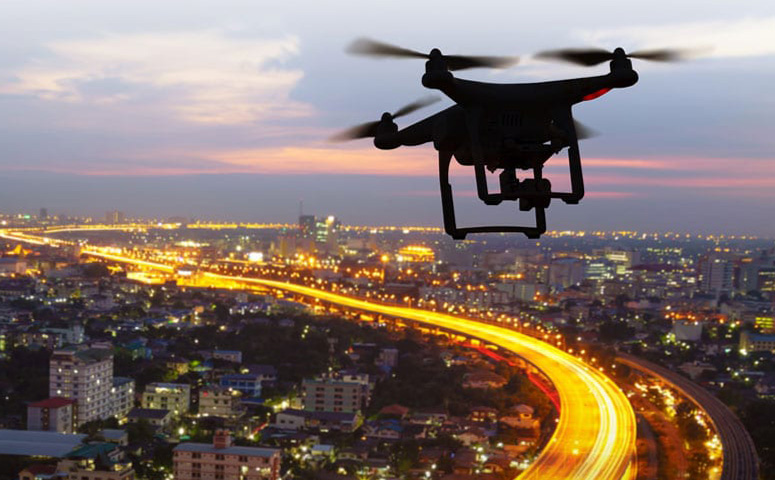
point(222, 109)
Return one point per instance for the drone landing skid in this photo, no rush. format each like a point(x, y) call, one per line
point(448, 207)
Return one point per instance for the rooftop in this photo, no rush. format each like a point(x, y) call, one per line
point(155, 413)
point(209, 448)
point(34, 443)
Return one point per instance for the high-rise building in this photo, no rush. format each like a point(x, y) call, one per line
point(307, 225)
point(86, 376)
point(716, 273)
point(123, 393)
point(114, 216)
point(43, 215)
point(220, 461)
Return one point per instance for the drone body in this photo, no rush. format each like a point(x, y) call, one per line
point(501, 127)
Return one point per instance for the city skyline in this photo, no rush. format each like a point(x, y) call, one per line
point(188, 110)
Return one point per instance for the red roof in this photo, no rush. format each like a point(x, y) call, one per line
point(41, 469)
point(53, 402)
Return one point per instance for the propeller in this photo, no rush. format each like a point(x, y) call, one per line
point(369, 129)
point(373, 48)
point(594, 56)
point(583, 131)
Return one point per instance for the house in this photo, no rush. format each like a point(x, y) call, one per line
point(483, 379)
point(383, 429)
point(38, 471)
point(222, 460)
point(483, 414)
point(55, 414)
point(520, 416)
point(473, 436)
point(292, 419)
point(158, 417)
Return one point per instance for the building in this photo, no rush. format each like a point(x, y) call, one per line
point(222, 461)
point(38, 471)
point(175, 397)
point(333, 395)
point(157, 417)
point(291, 419)
point(267, 374)
point(123, 393)
point(234, 356)
point(38, 444)
point(755, 342)
point(307, 225)
point(565, 272)
point(114, 217)
point(95, 461)
point(86, 376)
point(247, 383)
point(56, 414)
point(716, 273)
point(416, 254)
point(218, 402)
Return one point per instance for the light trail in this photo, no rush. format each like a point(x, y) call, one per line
point(596, 432)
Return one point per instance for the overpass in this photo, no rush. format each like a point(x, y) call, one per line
point(740, 461)
point(596, 430)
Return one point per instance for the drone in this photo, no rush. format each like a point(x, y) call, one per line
point(502, 128)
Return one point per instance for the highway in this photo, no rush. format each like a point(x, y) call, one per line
point(595, 435)
point(596, 430)
point(740, 460)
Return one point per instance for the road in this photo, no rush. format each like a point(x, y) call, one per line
point(596, 431)
point(740, 460)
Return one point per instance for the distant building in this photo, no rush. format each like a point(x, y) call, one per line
point(234, 356)
point(157, 417)
point(333, 395)
point(175, 397)
point(291, 419)
point(716, 273)
point(416, 254)
point(686, 331)
point(218, 402)
point(96, 461)
point(565, 272)
point(85, 375)
point(221, 461)
point(123, 393)
point(248, 384)
point(307, 225)
point(56, 414)
point(387, 358)
point(267, 374)
point(755, 342)
point(114, 217)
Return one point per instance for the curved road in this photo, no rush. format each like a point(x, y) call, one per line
point(595, 435)
point(740, 461)
point(596, 430)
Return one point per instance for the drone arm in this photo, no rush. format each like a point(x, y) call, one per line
point(585, 89)
point(415, 134)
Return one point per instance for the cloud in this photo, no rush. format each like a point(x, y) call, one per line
point(202, 76)
point(742, 37)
